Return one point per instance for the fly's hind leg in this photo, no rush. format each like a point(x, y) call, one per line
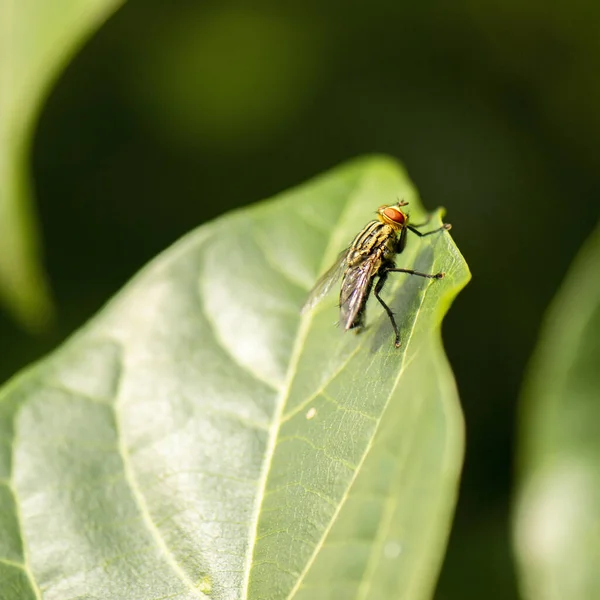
point(378, 287)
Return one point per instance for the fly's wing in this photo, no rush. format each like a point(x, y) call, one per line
point(326, 281)
point(355, 289)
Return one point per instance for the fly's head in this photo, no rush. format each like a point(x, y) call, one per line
point(392, 214)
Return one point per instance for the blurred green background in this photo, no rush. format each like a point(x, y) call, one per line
point(177, 112)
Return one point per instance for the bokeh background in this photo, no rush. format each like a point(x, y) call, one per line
point(177, 112)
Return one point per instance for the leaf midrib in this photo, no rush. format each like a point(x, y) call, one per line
point(302, 332)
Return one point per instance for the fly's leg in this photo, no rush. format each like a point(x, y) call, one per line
point(378, 287)
point(401, 242)
point(412, 272)
point(444, 227)
point(381, 282)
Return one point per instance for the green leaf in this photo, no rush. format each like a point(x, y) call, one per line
point(202, 439)
point(558, 509)
point(36, 39)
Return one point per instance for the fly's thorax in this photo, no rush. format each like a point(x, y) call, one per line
point(375, 242)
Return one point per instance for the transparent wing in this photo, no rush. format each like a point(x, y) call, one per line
point(326, 281)
point(355, 289)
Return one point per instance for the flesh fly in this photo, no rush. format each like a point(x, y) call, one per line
point(370, 257)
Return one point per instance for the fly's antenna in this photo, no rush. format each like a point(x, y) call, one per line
point(402, 202)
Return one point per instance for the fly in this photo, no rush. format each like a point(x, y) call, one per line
point(370, 257)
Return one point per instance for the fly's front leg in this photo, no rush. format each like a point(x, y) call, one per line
point(378, 287)
point(444, 227)
point(439, 275)
point(402, 242)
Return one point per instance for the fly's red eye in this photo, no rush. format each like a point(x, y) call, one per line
point(393, 214)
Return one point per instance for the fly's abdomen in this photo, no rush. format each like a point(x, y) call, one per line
point(352, 312)
point(356, 286)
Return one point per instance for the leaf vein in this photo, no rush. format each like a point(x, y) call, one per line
point(278, 268)
point(390, 502)
point(145, 512)
point(281, 488)
point(301, 335)
point(323, 386)
point(300, 438)
point(347, 408)
point(276, 387)
point(19, 517)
